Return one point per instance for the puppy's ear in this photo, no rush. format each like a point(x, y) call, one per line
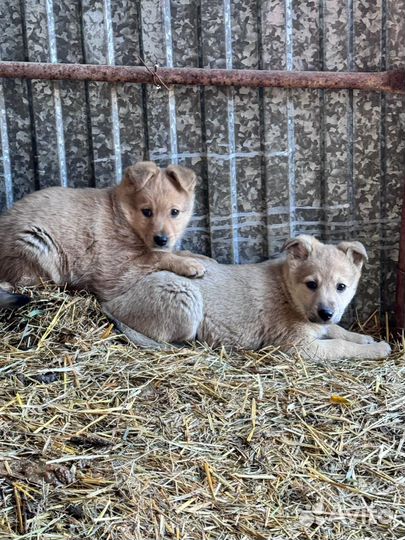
point(138, 175)
point(300, 247)
point(182, 178)
point(355, 251)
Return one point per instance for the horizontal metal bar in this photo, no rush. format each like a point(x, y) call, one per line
point(385, 81)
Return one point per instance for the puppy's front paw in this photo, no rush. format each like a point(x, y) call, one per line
point(192, 268)
point(382, 349)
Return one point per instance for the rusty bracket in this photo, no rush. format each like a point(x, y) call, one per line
point(157, 81)
point(385, 81)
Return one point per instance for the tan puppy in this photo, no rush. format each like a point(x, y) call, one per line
point(86, 237)
point(294, 302)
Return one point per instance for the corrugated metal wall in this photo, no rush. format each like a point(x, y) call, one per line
point(272, 163)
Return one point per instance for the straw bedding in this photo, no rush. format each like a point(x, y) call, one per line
point(100, 439)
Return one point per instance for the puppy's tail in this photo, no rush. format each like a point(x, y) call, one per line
point(12, 300)
point(136, 337)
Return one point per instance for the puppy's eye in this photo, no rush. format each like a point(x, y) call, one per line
point(313, 285)
point(340, 287)
point(147, 212)
point(174, 212)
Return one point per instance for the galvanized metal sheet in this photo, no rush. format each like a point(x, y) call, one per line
point(271, 163)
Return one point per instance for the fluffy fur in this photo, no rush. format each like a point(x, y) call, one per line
point(252, 306)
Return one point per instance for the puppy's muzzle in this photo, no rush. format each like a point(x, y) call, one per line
point(161, 240)
point(325, 314)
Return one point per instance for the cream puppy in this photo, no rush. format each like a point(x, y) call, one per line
point(294, 302)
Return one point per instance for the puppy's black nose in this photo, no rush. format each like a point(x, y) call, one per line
point(325, 314)
point(160, 240)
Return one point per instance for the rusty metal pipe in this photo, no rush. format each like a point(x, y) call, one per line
point(386, 81)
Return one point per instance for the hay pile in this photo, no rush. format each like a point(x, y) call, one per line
point(99, 439)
